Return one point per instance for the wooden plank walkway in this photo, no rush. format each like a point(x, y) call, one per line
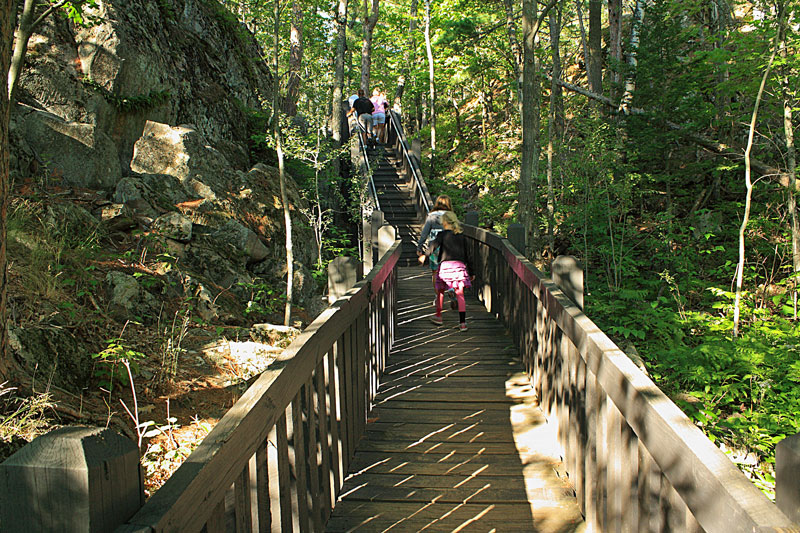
point(455, 441)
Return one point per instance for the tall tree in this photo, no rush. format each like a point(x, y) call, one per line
point(409, 58)
point(749, 184)
point(516, 49)
point(555, 120)
point(595, 66)
point(340, 23)
point(295, 59)
point(431, 84)
point(791, 157)
point(7, 16)
point(615, 44)
point(529, 172)
point(633, 50)
point(276, 132)
point(370, 20)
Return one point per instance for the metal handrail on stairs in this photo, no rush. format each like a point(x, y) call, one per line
point(363, 150)
point(418, 181)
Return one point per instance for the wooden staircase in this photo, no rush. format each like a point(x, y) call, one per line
point(396, 200)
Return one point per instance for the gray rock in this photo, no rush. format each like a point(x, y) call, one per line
point(117, 217)
point(128, 299)
point(52, 353)
point(81, 154)
point(175, 226)
point(243, 239)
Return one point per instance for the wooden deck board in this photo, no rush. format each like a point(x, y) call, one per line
point(455, 439)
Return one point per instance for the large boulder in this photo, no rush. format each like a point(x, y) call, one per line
point(79, 154)
point(185, 154)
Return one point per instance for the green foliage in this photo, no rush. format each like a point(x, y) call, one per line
point(111, 368)
point(129, 104)
point(264, 299)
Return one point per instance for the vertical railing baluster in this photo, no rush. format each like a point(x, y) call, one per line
point(614, 475)
point(336, 410)
point(272, 473)
point(241, 508)
point(260, 470)
point(287, 498)
point(326, 443)
point(300, 460)
point(312, 457)
point(348, 391)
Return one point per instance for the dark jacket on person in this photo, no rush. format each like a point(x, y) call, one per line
point(363, 105)
point(452, 247)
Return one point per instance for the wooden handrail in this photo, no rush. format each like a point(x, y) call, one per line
point(332, 367)
point(635, 459)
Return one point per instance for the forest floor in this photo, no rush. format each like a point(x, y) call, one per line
point(52, 287)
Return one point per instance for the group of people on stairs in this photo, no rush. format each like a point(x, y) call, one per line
point(443, 243)
point(371, 113)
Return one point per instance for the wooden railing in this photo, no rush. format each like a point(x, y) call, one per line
point(636, 462)
point(277, 459)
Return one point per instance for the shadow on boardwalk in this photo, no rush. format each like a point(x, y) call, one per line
point(455, 440)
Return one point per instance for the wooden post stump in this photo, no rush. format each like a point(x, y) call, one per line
point(472, 218)
point(343, 273)
point(387, 234)
point(71, 479)
point(568, 275)
point(787, 477)
point(376, 221)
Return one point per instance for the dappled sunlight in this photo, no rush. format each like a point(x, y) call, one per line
point(456, 440)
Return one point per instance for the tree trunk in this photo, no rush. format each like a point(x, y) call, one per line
point(7, 17)
point(749, 195)
point(615, 44)
point(791, 159)
point(530, 124)
point(295, 60)
point(554, 123)
point(340, 24)
point(459, 134)
point(409, 60)
point(595, 66)
point(630, 78)
point(516, 49)
point(276, 130)
point(584, 45)
point(431, 85)
point(370, 20)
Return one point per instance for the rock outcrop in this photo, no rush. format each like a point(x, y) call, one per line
point(151, 109)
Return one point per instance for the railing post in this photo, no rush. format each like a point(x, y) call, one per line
point(71, 479)
point(343, 273)
point(370, 243)
point(787, 477)
point(386, 237)
point(568, 275)
point(516, 235)
point(472, 218)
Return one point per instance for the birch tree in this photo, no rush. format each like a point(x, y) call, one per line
point(431, 84)
point(749, 184)
point(791, 158)
point(276, 133)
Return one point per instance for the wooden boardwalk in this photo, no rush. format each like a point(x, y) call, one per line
point(455, 441)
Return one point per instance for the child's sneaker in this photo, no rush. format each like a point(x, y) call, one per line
point(463, 326)
point(436, 320)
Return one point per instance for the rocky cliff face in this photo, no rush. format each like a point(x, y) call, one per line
point(151, 110)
